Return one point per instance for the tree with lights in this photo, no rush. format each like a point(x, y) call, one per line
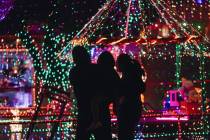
point(51, 71)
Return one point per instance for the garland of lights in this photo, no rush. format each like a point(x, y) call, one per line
point(128, 20)
point(138, 135)
point(178, 65)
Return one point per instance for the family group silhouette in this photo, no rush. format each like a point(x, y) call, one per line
point(97, 85)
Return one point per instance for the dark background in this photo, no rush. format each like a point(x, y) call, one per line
point(73, 14)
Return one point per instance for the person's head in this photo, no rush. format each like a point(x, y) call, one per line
point(80, 56)
point(124, 61)
point(106, 59)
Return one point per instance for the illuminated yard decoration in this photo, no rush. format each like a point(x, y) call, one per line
point(16, 79)
point(52, 73)
point(137, 21)
point(150, 30)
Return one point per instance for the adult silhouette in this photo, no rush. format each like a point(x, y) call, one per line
point(81, 77)
point(109, 76)
point(129, 106)
point(108, 86)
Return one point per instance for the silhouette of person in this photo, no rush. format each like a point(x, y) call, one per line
point(129, 106)
point(81, 77)
point(108, 86)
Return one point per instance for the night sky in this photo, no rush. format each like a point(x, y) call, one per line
point(73, 14)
